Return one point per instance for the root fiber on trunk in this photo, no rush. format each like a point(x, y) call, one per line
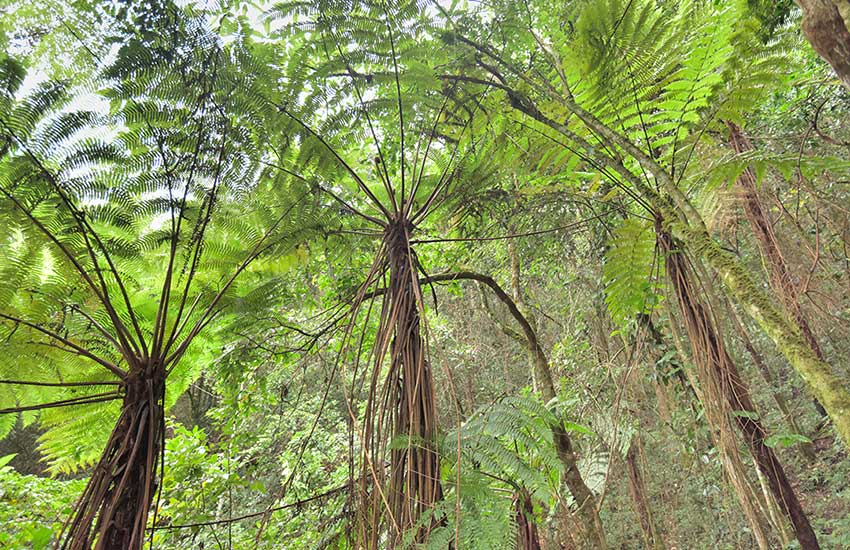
point(718, 370)
point(113, 510)
point(401, 412)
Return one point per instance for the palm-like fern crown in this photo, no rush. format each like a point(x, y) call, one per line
point(658, 75)
point(125, 226)
point(360, 75)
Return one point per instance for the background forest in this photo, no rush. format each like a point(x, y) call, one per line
point(473, 275)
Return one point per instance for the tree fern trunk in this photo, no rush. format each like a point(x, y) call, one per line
point(710, 352)
point(527, 536)
point(826, 24)
point(781, 279)
point(112, 512)
point(414, 485)
point(637, 490)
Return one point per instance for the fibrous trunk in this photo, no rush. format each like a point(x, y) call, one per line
point(640, 500)
point(710, 354)
point(113, 509)
point(826, 24)
point(405, 414)
point(781, 279)
point(527, 536)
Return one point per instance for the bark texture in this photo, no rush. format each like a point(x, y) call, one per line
point(781, 279)
point(527, 536)
point(113, 509)
point(826, 25)
point(415, 470)
point(638, 493)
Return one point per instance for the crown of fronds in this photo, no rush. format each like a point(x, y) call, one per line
point(130, 225)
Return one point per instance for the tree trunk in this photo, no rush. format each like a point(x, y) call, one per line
point(637, 490)
point(807, 449)
point(781, 279)
point(113, 509)
point(406, 408)
point(687, 225)
point(826, 24)
point(593, 535)
point(527, 537)
point(710, 352)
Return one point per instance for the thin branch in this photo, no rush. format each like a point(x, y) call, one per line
point(295, 504)
point(84, 400)
point(573, 225)
point(255, 252)
point(339, 159)
point(87, 230)
point(398, 94)
point(79, 349)
point(60, 384)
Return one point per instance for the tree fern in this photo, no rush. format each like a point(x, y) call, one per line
point(125, 250)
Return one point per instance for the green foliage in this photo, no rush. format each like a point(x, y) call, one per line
point(786, 440)
point(33, 508)
point(150, 152)
point(512, 439)
point(128, 228)
point(771, 14)
point(630, 264)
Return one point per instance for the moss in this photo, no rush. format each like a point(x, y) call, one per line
point(828, 388)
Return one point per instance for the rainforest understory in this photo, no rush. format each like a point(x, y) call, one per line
point(367, 275)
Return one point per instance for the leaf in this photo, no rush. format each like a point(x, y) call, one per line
point(41, 538)
point(752, 415)
point(785, 440)
point(577, 428)
point(627, 272)
point(7, 459)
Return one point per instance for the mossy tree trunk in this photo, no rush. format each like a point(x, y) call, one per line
point(683, 221)
point(710, 354)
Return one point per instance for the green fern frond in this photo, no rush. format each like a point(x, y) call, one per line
point(630, 261)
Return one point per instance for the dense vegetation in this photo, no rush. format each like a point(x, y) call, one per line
point(347, 274)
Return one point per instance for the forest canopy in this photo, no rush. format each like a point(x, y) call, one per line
point(424, 274)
